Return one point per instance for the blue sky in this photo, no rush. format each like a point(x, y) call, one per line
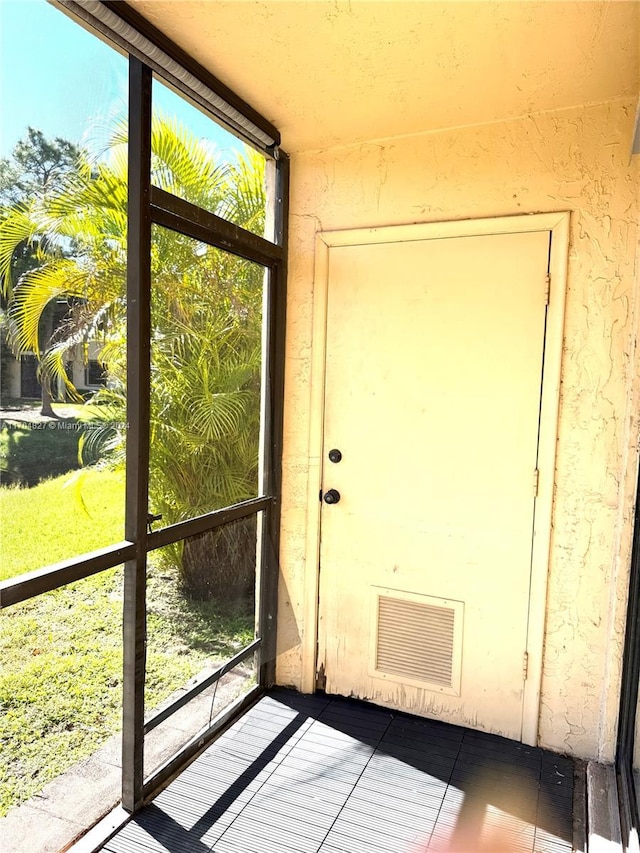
point(62, 80)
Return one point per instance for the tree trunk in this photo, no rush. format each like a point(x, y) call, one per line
point(221, 564)
point(45, 332)
point(46, 409)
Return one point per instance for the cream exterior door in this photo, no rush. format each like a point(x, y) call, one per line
point(434, 362)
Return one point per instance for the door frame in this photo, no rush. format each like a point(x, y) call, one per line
point(557, 223)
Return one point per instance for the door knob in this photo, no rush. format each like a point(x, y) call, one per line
point(332, 496)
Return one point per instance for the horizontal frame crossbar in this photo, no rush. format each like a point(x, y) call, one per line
point(199, 741)
point(30, 584)
point(200, 685)
point(179, 215)
point(203, 523)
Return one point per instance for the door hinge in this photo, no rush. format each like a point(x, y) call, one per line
point(536, 481)
point(547, 293)
point(525, 666)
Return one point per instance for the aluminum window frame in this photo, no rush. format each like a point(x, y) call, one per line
point(628, 708)
point(149, 206)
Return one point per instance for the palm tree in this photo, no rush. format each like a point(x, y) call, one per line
point(34, 168)
point(206, 323)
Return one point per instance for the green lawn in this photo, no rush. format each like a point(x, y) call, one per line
point(61, 677)
point(34, 451)
point(64, 517)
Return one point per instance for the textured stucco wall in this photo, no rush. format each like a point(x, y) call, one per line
point(577, 160)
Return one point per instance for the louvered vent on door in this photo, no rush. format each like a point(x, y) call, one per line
point(418, 640)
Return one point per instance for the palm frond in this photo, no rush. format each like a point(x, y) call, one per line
point(35, 290)
point(17, 226)
point(245, 198)
point(183, 165)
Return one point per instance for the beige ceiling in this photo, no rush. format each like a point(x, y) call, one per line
point(330, 73)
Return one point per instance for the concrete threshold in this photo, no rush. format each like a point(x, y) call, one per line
point(604, 834)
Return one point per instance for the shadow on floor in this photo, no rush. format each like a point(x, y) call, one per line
point(316, 774)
